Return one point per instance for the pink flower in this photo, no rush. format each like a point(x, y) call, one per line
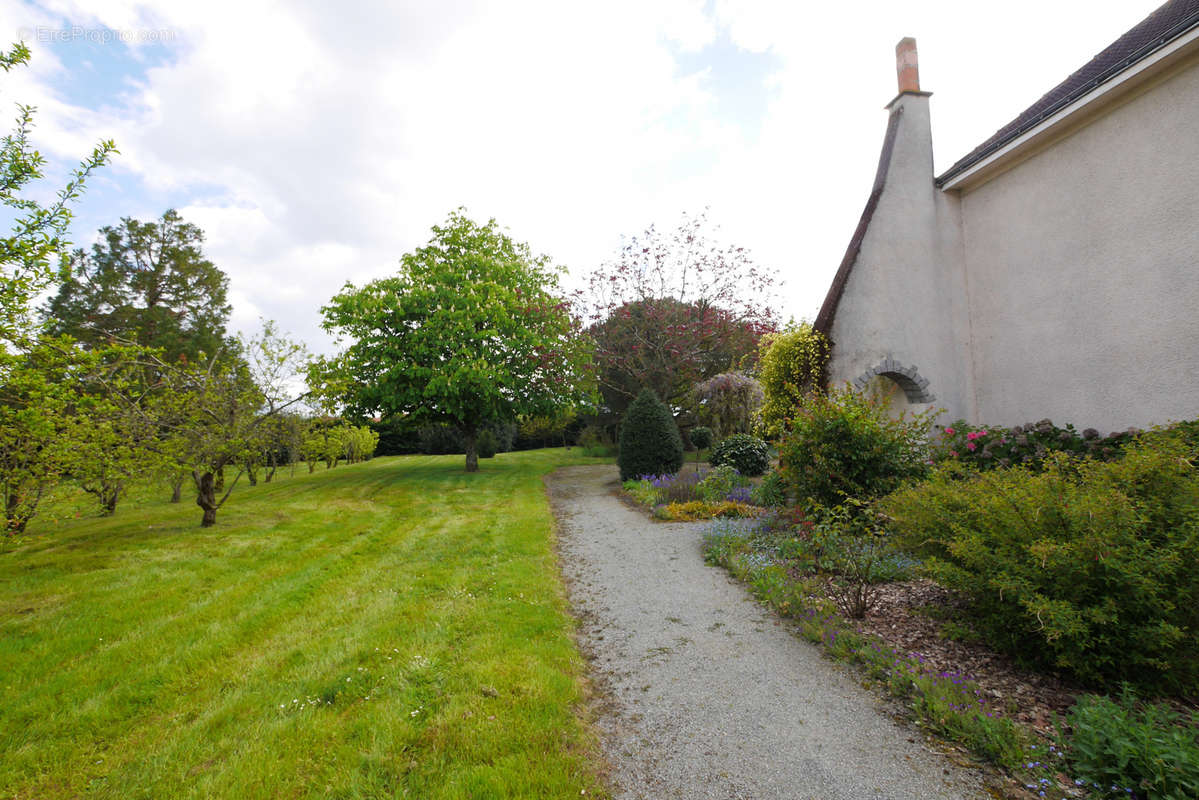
point(953, 453)
point(971, 446)
point(949, 431)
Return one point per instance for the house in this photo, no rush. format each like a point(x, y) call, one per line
point(1051, 272)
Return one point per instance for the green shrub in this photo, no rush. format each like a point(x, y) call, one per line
point(1087, 567)
point(486, 444)
point(649, 439)
point(844, 445)
point(748, 454)
point(771, 492)
point(1120, 749)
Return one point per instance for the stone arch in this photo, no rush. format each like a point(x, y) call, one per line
point(914, 386)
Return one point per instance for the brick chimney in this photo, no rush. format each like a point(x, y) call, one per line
point(906, 65)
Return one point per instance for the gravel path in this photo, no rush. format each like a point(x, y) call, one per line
point(706, 694)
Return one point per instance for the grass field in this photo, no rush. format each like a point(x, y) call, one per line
point(390, 629)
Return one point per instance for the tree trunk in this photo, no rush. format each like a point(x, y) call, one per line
point(206, 499)
point(219, 484)
point(109, 496)
point(252, 473)
point(469, 438)
point(311, 466)
point(177, 489)
point(274, 464)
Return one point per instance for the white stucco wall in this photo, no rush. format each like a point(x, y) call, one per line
point(905, 297)
point(1082, 266)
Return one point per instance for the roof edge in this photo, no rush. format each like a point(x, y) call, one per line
point(828, 309)
point(1000, 141)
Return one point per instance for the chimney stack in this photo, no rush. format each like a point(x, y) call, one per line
point(907, 66)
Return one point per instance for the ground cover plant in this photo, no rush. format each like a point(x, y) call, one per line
point(1119, 746)
point(388, 628)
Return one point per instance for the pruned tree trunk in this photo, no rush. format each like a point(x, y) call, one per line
point(206, 499)
point(469, 440)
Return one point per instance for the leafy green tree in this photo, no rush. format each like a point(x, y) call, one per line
point(471, 331)
point(38, 238)
point(215, 411)
point(56, 422)
point(148, 283)
point(650, 443)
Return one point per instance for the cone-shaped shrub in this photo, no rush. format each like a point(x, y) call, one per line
point(649, 439)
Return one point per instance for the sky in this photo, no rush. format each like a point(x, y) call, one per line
point(315, 143)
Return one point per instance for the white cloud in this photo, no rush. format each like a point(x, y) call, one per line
point(317, 142)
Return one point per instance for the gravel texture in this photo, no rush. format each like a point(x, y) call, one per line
point(704, 693)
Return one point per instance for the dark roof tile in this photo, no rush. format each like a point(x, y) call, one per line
point(1158, 29)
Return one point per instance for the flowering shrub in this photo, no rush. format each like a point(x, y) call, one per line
point(845, 445)
point(990, 446)
point(749, 454)
point(1087, 567)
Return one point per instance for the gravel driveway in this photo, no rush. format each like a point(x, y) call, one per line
point(705, 693)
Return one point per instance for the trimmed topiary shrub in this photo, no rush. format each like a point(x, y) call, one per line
point(749, 455)
point(845, 445)
point(1087, 567)
point(649, 439)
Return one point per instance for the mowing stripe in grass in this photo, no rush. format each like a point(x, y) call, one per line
point(393, 626)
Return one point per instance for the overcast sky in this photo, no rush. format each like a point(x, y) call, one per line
point(316, 142)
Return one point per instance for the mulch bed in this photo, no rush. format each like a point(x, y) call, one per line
point(907, 616)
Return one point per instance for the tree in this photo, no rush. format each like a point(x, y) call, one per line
point(673, 310)
point(145, 282)
point(29, 255)
point(57, 421)
point(214, 412)
point(469, 332)
point(649, 439)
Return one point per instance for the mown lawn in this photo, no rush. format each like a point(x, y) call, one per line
point(390, 629)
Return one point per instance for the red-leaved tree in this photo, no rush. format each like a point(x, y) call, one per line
point(673, 309)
